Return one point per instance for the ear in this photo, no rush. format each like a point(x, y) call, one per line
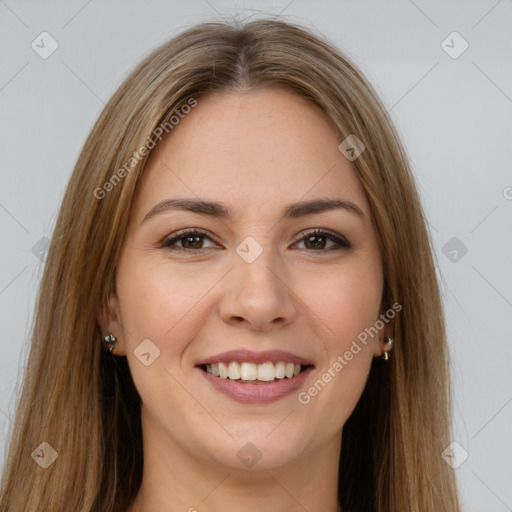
point(385, 323)
point(109, 320)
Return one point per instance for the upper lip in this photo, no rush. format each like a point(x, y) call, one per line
point(249, 356)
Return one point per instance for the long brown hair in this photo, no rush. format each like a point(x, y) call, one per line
point(82, 401)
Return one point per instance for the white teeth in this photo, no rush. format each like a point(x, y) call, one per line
point(248, 371)
point(223, 370)
point(280, 368)
point(265, 372)
point(234, 370)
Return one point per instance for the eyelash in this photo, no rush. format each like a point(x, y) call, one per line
point(184, 233)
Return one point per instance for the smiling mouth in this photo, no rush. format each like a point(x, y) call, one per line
point(251, 373)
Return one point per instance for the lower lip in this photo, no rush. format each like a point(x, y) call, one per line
point(257, 393)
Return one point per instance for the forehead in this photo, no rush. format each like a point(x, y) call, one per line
point(259, 148)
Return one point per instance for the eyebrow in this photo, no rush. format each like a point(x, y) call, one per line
point(219, 210)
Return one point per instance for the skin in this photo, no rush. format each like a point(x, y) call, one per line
point(256, 152)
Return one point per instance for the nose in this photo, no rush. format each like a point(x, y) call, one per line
point(258, 295)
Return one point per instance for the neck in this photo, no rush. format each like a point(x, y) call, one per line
point(173, 480)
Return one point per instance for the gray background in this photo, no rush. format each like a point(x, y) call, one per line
point(453, 114)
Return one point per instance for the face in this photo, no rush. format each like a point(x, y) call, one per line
point(253, 276)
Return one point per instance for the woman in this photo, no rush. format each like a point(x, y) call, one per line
point(239, 308)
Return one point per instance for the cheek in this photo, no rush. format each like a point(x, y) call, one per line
point(347, 301)
point(157, 300)
point(157, 303)
point(347, 304)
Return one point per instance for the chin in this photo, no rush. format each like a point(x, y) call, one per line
point(253, 452)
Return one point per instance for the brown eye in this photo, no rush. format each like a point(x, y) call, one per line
point(192, 240)
point(318, 240)
point(315, 242)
